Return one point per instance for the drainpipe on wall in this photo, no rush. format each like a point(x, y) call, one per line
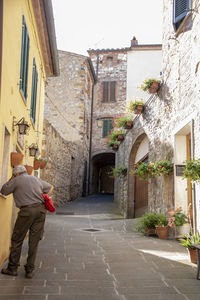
point(91, 124)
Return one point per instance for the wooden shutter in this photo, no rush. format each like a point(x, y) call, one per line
point(107, 127)
point(105, 91)
point(181, 8)
point(34, 91)
point(112, 91)
point(24, 59)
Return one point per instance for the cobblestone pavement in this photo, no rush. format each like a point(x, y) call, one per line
point(113, 263)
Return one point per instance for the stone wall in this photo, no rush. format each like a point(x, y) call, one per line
point(65, 167)
point(67, 127)
point(174, 112)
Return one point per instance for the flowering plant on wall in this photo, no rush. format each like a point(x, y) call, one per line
point(153, 169)
point(118, 172)
point(192, 170)
point(122, 122)
point(164, 167)
point(136, 106)
point(151, 84)
point(177, 218)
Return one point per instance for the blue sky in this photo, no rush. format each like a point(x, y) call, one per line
point(84, 24)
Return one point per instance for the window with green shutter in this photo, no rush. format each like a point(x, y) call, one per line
point(107, 127)
point(34, 91)
point(24, 59)
point(180, 10)
point(109, 91)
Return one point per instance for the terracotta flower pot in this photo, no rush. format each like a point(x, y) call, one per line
point(16, 158)
point(193, 255)
point(43, 164)
point(154, 87)
point(29, 169)
point(163, 232)
point(115, 147)
point(129, 125)
point(120, 137)
point(36, 164)
point(139, 109)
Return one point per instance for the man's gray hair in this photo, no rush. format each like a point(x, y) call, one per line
point(18, 170)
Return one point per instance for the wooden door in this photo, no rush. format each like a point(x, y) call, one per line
point(141, 196)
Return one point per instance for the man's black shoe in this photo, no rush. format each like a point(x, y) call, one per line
point(9, 272)
point(29, 275)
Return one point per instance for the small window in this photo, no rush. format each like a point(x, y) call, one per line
point(109, 91)
point(34, 91)
point(24, 59)
point(180, 10)
point(107, 127)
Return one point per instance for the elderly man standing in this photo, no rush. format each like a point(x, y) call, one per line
point(27, 191)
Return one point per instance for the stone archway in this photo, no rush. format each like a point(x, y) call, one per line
point(101, 182)
point(137, 190)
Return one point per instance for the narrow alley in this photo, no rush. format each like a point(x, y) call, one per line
point(90, 253)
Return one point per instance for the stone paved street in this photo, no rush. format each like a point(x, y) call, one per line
point(111, 264)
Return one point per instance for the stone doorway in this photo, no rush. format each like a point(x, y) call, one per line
point(101, 182)
point(137, 189)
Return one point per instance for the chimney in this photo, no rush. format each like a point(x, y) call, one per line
point(134, 42)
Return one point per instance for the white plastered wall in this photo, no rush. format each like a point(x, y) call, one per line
point(143, 150)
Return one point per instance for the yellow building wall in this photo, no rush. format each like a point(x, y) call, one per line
point(12, 103)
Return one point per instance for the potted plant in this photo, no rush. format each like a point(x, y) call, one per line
point(162, 227)
point(187, 241)
point(143, 170)
point(126, 122)
point(29, 169)
point(43, 163)
point(36, 163)
point(147, 223)
point(164, 167)
point(179, 221)
point(118, 172)
point(137, 106)
point(192, 170)
point(115, 146)
point(150, 84)
point(16, 158)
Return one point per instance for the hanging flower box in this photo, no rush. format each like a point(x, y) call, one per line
point(36, 164)
point(29, 169)
point(128, 125)
point(151, 85)
point(43, 164)
point(120, 137)
point(137, 106)
point(16, 158)
point(139, 109)
point(115, 147)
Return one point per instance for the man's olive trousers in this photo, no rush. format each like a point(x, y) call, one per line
point(30, 218)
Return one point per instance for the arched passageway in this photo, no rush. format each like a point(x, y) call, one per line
point(138, 189)
point(101, 182)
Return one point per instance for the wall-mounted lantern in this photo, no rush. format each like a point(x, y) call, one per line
point(23, 126)
point(33, 148)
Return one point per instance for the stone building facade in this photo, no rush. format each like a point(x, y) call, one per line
point(118, 72)
point(109, 102)
point(171, 120)
point(66, 139)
